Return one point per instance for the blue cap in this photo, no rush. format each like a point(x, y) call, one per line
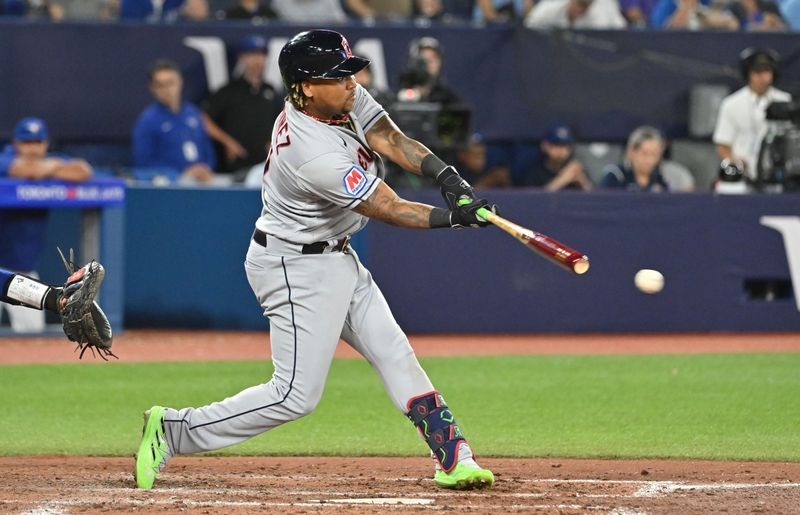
point(253, 43)
point(559, 135)
point(30, 129)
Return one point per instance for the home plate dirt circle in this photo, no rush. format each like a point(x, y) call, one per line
point(239, 485)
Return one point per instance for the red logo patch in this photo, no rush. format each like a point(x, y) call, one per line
point(355, 180)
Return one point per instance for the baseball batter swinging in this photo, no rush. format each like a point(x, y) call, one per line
point(322, 183)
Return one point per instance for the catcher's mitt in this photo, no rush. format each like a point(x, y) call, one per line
point(83, 320)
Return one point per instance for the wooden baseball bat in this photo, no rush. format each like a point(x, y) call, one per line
point(574, 261)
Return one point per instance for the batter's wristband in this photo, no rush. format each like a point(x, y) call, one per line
point(432, 166)
point(439, 218)
point(446, 174)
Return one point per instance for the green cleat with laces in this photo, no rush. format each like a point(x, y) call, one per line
point(153, 450)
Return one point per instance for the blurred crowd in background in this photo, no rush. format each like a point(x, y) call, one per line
point(223, 139)
point(750, 15)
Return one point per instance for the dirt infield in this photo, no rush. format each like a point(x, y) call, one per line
point(136, 346)
point(49, 485)
point(56, 485)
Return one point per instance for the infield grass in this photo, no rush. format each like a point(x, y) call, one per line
point(715, 406)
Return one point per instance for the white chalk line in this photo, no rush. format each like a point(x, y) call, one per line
point(375, 500)
point(662, 488)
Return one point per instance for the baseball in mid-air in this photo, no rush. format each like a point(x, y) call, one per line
point(649, 281)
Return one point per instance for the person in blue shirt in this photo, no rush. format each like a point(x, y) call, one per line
point(790, 11)
point(501, 11)
point(164, 11)
point(691, 15)
point(169, 136)
point(637, 12)
point(640, 169)
point(758, 15)
point(22, 231)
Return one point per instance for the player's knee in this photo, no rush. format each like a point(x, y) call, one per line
point(300, 405)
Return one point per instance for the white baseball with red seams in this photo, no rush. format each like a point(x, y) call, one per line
point(317, 173)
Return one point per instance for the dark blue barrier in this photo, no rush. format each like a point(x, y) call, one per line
point(87, 216)
point(185, 250)
point(89, 81)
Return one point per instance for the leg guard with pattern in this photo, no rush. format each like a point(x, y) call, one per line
point(438, 427)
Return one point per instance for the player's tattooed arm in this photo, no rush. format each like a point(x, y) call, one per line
point(385, 205)
point(388, 140)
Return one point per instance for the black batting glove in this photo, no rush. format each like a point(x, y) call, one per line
point(466, 215)
point(453, 187)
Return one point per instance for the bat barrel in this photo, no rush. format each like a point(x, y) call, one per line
point(581, 265)
point(574, 261)
point(571, 259)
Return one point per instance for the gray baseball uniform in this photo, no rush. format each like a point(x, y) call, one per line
point(312, 286)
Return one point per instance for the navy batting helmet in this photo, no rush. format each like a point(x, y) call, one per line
point(318, 54)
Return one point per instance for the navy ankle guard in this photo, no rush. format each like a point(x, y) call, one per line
point(438, 427)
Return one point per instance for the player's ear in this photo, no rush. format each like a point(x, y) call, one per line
point(305, 86)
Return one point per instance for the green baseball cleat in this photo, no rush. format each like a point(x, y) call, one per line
point(153, 451)
point(463, 477)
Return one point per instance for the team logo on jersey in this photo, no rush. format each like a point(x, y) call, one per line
point(355, 180)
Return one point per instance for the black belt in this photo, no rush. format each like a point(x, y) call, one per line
point(318, 247)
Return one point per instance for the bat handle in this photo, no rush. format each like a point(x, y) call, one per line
point(481, 211)
point(485, 213)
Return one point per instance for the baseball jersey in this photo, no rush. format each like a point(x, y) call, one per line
point(316, 173)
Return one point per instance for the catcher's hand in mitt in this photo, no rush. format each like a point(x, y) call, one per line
point(83, 320)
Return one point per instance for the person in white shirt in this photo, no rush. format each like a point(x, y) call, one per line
point(309, 11)
point(575, 14)
point(741, 123)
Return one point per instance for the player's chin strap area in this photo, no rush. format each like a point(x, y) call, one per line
point(437, 426)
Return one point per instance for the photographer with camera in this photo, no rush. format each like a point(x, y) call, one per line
point(742, 121)
point(427, 108)
point(422, 80)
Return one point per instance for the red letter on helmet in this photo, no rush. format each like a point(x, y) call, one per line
point(346, 46)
